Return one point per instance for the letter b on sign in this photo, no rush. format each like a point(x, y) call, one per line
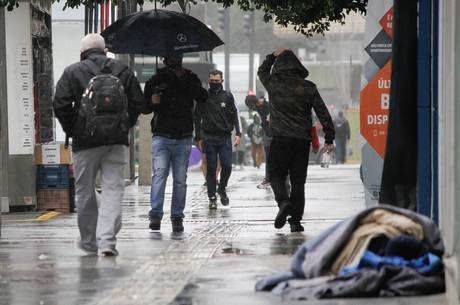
point(385, 101)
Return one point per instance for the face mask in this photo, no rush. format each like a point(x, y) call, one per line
point(215, 86)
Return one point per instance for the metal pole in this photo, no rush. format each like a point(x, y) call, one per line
point(350, 77)
point(251, 49)
point(132, 135)
point(424, 158)
point(86, 20)
point(96, 16)
point(227, 47)
point(90, 19)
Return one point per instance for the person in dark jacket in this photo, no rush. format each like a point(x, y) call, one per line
point(342, 136)
point(216, 120)
point(263, 109)
point(291, 100)
point(93, 154)
point(170, 95)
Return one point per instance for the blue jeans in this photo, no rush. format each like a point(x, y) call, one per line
point(168, 153)
point(218, 147)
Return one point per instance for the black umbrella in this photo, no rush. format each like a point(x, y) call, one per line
point(159, 33)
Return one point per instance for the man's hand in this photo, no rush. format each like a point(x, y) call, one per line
point(279, 51)
point(237, 141)
point(156, 99)
point(328, 147)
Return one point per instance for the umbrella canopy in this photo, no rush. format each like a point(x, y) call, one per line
point(159, 33)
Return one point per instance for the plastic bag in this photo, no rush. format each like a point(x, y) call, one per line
point(326, 159)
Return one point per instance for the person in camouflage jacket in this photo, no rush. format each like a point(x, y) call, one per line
point(292, 99)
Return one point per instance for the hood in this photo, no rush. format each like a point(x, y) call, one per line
point(90, 53)
point(288, 63)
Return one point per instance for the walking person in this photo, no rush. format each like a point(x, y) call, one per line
point(291, 100)
point(263, 109)
point(170, 95)
point(239, 151)
point(219, 117)
point(97, 101)
point(256, 135)
point(342, 136)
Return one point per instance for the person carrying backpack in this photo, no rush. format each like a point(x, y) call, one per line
point(97, 101)
point(256, 134)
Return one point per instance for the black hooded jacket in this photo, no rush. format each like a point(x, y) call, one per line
point(73, 82)
point(173, 116)
point(292, 98)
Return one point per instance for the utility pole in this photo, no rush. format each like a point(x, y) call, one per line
point(227, 47)
point(251, 49)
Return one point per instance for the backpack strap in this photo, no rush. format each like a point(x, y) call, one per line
point(96, 70)
point(93, 68)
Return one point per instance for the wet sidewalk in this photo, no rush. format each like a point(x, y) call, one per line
point(217, 260)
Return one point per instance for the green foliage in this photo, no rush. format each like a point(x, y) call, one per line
point(307, 16)
point(9, 4)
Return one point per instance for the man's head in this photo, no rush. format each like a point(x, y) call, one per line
point(340, 114)
point(173, 61)
point(92, 41)
point(215, 76)
point(215, 80)
point(288, 63)
point(251, 101)
point(260, 101)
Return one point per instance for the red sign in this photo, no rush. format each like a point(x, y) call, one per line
point(387, 22)
point(375, 105)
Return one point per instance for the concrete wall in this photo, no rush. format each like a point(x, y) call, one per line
point(4, 202)
point(17, 170)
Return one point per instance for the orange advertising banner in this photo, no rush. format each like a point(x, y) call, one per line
point(375, 104)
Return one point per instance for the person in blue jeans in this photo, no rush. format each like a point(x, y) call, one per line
point(216, 120)
point(170, 95)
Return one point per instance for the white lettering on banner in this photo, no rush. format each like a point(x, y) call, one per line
point(385, 101)
point(19, 81)
point(377, 119)
point(384, 83)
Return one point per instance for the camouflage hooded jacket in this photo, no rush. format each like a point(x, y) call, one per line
point(292, 98)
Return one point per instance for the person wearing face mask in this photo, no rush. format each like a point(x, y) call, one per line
point(170, 95)
point(217, 118)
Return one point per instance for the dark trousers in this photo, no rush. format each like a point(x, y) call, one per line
point(340, 150)
point(289, 156)
point(218, 147)
point(267, 154)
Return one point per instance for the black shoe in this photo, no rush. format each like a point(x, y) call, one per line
point(213, 203)
point(297, 227)
point(223, 197)
point(155, 224)
point(284, 209)
point(177, 225)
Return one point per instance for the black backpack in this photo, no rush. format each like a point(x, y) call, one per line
point(102, 116)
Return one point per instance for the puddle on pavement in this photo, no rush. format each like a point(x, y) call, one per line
point(280, 244)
